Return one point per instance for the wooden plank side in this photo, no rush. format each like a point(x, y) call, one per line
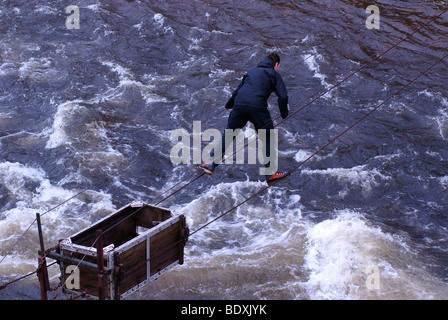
point(88, 284)
point(118, 228)
point(133, 267)
point(88, 279)
point(165, 248)
point(121, 233)
point(150, 214)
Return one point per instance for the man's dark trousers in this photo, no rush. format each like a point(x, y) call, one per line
point(260, 118)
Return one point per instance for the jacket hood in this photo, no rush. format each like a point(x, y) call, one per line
point(266, 63)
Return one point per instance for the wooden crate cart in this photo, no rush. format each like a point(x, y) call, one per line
point(122, 252)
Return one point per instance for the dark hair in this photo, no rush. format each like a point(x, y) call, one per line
point(274, 57)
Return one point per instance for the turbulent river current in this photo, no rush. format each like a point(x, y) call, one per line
point(87, 109)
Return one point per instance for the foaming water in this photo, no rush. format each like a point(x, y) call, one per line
point(341, 252)
point(29, 191)
point(86, 115)
point(358, 176)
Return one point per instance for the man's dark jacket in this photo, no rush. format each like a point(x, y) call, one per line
point(256, 87)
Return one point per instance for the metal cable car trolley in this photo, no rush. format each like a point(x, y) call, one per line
point(120, 253)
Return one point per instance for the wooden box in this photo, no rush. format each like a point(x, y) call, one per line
point(139, 241)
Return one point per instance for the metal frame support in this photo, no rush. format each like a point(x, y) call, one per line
point(42, 268)
point(100, 264)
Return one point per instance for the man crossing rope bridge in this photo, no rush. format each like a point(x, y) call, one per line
point(249, 103)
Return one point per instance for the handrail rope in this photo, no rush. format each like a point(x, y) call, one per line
point(329, 143)
point(197, 169)
point(374, 57)
point(175, 185)
point(377, 54)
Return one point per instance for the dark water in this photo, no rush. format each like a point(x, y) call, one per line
point(93, 108)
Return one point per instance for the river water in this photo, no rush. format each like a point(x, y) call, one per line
point(93, 109)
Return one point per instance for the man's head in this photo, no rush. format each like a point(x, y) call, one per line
point(275, 57)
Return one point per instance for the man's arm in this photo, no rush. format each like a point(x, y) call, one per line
point(282, 94)
point(230, 103)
